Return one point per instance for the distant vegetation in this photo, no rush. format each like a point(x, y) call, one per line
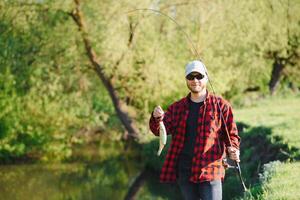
point(51, 92)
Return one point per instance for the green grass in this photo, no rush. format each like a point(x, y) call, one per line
point(279, 181)
point(281, 114)
point(284, 183)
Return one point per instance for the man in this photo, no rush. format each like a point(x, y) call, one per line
point(200, 125)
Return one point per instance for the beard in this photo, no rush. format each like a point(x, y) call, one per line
point(196, 88)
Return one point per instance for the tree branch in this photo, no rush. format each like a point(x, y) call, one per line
point(77, 16)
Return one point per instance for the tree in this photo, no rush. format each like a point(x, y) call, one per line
point(135, 60)
point(123, 115)
point(288, 54)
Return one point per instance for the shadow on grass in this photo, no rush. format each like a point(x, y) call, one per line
point(258, 147)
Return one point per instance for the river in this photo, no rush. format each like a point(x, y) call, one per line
point(93, 175)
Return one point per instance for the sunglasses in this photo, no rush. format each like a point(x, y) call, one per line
point(191, 77)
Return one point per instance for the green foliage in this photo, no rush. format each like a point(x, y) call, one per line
point(45, 95)
point(232, 38)
point(49, 92)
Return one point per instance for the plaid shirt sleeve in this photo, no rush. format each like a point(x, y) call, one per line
point(230, 126)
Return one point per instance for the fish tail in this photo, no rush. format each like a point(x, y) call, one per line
point(160, 150)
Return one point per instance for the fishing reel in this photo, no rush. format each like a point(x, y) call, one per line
point(231, 164)
point(228, 164)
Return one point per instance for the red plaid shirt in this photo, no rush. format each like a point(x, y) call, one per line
point(210, 142)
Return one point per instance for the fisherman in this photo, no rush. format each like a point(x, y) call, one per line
point(203, 131)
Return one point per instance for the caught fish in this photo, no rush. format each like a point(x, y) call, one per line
point(162, 137)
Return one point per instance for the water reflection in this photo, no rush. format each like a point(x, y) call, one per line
point(108, 179)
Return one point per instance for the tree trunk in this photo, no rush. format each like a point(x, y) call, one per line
point(278, 67)
point(122, 114)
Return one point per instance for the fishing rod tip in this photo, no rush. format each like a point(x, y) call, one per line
point(130, 12)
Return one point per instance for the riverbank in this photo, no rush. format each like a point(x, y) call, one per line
point(270, 133)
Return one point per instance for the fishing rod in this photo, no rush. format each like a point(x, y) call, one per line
point(237, 165)
point(173, 20)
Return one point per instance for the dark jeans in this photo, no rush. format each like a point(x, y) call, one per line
point(209, 190)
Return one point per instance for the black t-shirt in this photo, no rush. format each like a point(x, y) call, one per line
point(186, 156)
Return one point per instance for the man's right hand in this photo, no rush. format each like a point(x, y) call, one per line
point(234, 153)
point(158, 113)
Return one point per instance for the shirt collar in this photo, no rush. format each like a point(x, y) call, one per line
point(186, 99)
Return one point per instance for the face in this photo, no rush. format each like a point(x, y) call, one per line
point(196, 82)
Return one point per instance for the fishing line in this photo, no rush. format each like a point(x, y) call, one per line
point(173, 20)
point(238, 168)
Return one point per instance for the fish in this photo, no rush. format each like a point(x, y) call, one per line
point(162, 137)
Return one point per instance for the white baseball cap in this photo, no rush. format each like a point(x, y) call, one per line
point(195, 66)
